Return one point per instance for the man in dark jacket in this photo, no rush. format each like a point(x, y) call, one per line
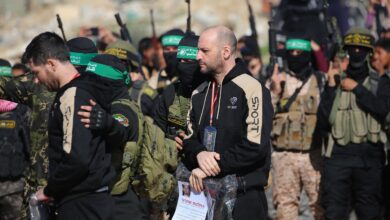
point(79, 170)
point(352, 112)
point(234, 112)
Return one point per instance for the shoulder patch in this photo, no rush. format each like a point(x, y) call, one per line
point(9, 124)
point(121, 119)
point(149, 92)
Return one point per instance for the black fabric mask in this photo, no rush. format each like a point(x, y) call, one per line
point(171, 60)
point(358, 67)
point(299, 64)
point(359, 73)
point(188, 74)
point(357, 59)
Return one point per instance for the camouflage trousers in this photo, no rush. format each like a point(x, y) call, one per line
point(37, 171)
point(11, 197)
point(292, 173)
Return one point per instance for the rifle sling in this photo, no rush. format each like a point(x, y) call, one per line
point(286, 107)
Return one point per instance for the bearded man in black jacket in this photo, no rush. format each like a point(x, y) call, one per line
point(79, 165)
point(234, 111)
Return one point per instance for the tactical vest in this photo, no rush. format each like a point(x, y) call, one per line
point(139, 88)
point(13, 144)
point(177, 113)
point(159, 156)
point(350, 124)
point(130, 154)
point(293, 130)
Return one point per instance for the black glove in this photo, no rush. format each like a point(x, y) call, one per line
point(99, 119)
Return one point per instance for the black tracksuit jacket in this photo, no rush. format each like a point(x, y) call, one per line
point(79, 158)
point(243, 126)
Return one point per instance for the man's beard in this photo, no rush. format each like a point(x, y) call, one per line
point(213, 70)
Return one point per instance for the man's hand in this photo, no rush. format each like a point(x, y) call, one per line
point(41, 196)
point(106, 36)
point(179, 140)
point(93, 116)
point(332, 72)
point(314, 46)
point(196, 179)
point(208, 162)
point(276, 80)
point(348, 84)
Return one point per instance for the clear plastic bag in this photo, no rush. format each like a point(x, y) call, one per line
point(40, 210)
point(221, 193)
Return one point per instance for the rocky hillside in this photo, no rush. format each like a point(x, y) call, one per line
point(18, 28)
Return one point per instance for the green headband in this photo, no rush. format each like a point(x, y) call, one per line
point(107, 72)
point(186, 52)
point(5, 71)
point(171, 40)
point(298, 44)
point(81, 59)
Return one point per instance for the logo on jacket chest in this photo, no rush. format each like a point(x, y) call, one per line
point(232, 103)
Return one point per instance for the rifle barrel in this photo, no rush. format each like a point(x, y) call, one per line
point(59, 21)
point(118, 19)
point(189, 16)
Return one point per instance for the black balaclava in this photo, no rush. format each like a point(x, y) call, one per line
point(300, 65)
point(171, 61)
point(189, 71)
point(108, 74)
point(171, 38)
point(5, 68)
point(358, 65)
point(81, 50)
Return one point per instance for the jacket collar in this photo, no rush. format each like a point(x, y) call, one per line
point(238, 69)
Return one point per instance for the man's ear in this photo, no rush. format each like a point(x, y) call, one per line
point(52, 64)
point(227, 52)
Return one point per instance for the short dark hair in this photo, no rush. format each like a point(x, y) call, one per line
point(20, 66)
point(144, 44)
point(383, 43)
point(47, 45)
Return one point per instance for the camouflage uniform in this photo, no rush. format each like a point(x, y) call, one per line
point(24, 90)
point(292, 173)
point(295, 164)
point(37, 173)
point(17, 89)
